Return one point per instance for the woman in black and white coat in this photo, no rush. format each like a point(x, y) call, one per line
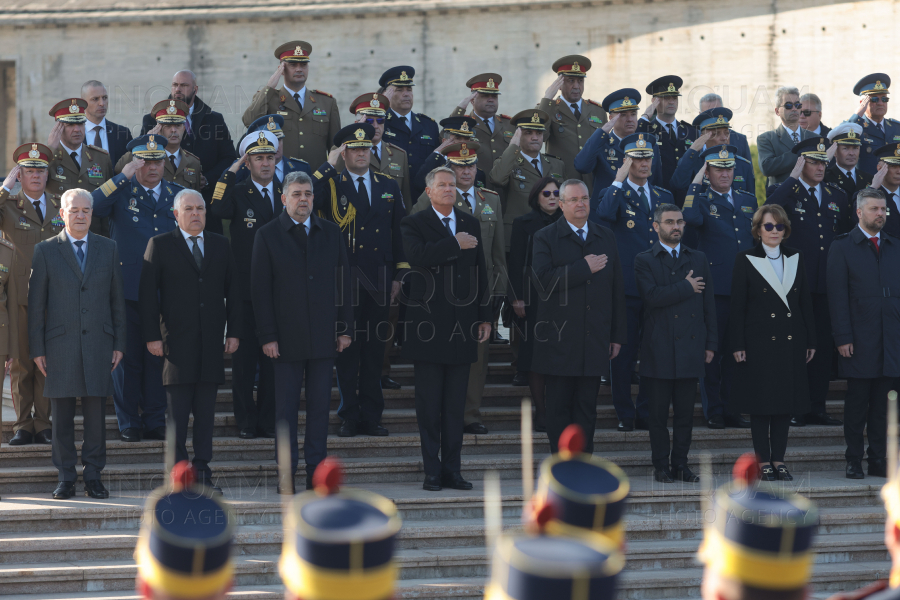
point(772, 335)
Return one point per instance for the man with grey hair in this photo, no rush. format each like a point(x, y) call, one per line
point(776, 157)
point(99, 131)
point(811, 115)
point(76, 278)
point(863, 266)
point(735, 138)
point(206, 137)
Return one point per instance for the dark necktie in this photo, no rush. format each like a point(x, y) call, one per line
point(580, 233)
point(575, 111)
point(375, 152)
point(187, 126)
point(874, 240)
point(297, 98)
point(674, 254)
point(266, 197)
point(487, 123)
point(74, 156)
point(37, 209)
point(446, 221)
point(671, 131)
point(850, 175)
point(172, 160)
point(298, 232)
point(812, 195)
point(80, 254)
point(469, 205)
point(537, 166)
point(152, 195)
point(198, 256)
point(795, 137)
point(97, 140)
point(362, 191)
point(643, 197)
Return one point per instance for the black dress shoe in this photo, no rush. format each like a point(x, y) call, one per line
point(737, 422)
point(432, 484)
point(264, 433)
point(64, 491)
point(159, 433)
point(641, 424)
point(132, 434)
point(94, 489)
point(496, 338)
point(683, 473)
point(455, 481)
point(604, 380)
point(520, 379)
point(373, 429)
point(798, 421)
point(348, 429)
point(784, 475)
point(663, 476)
point(767, 473)
point(289, 490)
point(44, 437)
point(854, 470)
point(823, 419)
point(877, 467)
point(22, 438)
point(716, 422)
point(476, 428)
point(389, 384)
point(625, 426)
point(247, 434)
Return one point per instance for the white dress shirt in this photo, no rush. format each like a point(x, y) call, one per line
point(84, 246)
point(528, 159)
point(301, 91)
point(405, 118)
point(177, 156)
point(451, 216)
point(791, 133)
point(270, 190)
point(190, 242)
point(69, 151)
point(584, 229)
point(156, 191)
point(471, 198)
point(669, 249)
point(817, 190)
point(90, 134)
point(366, 181)
point(42, 200)
point(569, 104)
point(279, 170)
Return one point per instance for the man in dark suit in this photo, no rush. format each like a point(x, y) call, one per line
point(674, 280)
point(863, 272)
point(76, 332)
point(101, 132)
point(448, 314)
point(249, 205)
point(368, 206)
point(190, 300)
point(878, 128)
point(775, 157)
point(887, 180)
point(581, 317)
point(843, 170)
point(207, 137)
point(811, 115)
point(299, 284)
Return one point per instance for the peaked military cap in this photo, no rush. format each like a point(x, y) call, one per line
point(531, 119)
point(398, 76)
point(170, 111)
point(370, 104)
point(355, 135)
point(638, 145)
point(846, 133)
point(259, 142)
point(667, 85)
point(713, 118)
point(462, 153)
point(69, 111)
point(622, 100)
point(33, 155)
point(813, 148)
point(573, 65)
point(271, 123)
point(889, 153)
point(722, 156)
point(462, 126)
point(486, 83)
point(148, 147)
point(875, 83)
point(297, 51)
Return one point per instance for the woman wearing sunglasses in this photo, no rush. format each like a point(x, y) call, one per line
point(544, 202)
point(772, 336)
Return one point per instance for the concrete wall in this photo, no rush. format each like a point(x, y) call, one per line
point(741, 49)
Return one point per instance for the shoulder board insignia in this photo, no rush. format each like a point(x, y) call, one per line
point(484, 189)
point(826, 186)
point(299, 160)
point(219, 191)
point(426, 116)
point(507, 117)
point(107, 188)
point(395, 147)
point(551, 156)
point(831, 184)
point(739, 157)
point(893, 120)
point(656, 190)
point(6, 242)
point(383, 174)
point(558, 100)
point(98, 148)
point(594, 103)
point(322, 93)
point(54, 199)
point(191, 154)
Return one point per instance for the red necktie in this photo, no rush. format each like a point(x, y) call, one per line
point(875, 241)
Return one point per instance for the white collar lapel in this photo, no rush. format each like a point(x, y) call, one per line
point(761, 264)
point(790, 271)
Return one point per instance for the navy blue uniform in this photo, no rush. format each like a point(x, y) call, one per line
point(874, 138)
point(288, 165)
point(691, 163)
point(602, 156)
point(671, 149)
point(418, 142)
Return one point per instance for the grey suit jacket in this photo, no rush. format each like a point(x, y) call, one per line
point(76, 319)
point(775, 157)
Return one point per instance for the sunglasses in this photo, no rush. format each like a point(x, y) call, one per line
point(807, 113)
point(548, 193)
point(775, 226)
point(877, 99)
point(790, 105)
point(370, 120)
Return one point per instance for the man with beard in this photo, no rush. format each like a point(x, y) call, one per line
point(846, 140)
point(492, 130)
point(887, 179)
point(878, 129)
point(862, 266)
point(775, 147)
point(206, 136)
point(671, 134)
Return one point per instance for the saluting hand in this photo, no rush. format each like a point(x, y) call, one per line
point(157, 129)
point(516, 138)
point(622, 173)
point(880, 172)
point(654, 104)
point(55, 136)
point(467, 101)
point(608, 126)
point(698, 144)
point(238, 163)
point(554, 88)
point(12, 178)
point(832, 150)
point(276, 76)
point(698, 178)
point(696, 282)
point(863, 105)
point(798, 167)
point(335, 154)
point(131, 168)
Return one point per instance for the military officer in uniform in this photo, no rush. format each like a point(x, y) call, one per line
point(521, 166)
point(878, 129)
point(722, 215)
point(493, 131)
point(818, 211)
point(75, 164)
point(455, 130)
point(29, 217)
point(627, 208)
point(573, 119)
point(886, 179)
point(846, 140)
point(602, 155)
point(368, 207)
point(283, 164)
point(249, 205)
point(311, 117)
point(182, 167)
point(139, 205)
point(415, 133)
point(672, 136)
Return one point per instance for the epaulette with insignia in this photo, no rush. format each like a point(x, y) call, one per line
point(323, 93)
point(92, 147)
point(833, 185)
point(395, 147)
point(507, 117)
point(219, 191)
point(746, 160)
point(385, 174)
point(742, 191)
point(300, 160)
point(192, 154)
point(8, 243)
point(893, 120)
point(594, 103)
point(426, 116)
point(484, 189)
point(551, 156)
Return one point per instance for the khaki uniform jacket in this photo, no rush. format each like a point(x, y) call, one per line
point(187, 175)
point(568, 134)
point(308, 132)
point(96, 169)
point(515, 176)
point(394, 163)
point(492, 144)
point(490, 215)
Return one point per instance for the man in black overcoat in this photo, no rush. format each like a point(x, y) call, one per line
point(448, 314)
point(679, 338)
point(581, 322)
point(299, 284)
point(864, 298)
point(189, 301)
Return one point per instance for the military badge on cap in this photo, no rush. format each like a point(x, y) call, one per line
point(355, 135)
point(812, 149)
point(170, 111)
point(372, 104)
point(271, 123)
point(261, 141)
point(297, 51)
point(889, 153)
point(401, 76)
point(33, 155)
point(463, 153)
point(69, 111)
point(667, 85)
point(462, 126)
point(148, 147)
point(486, 83)
point(720, 156)
point(622, 100)
point(713, 118)
point(638, 145)
point(151, 143)
point(531, 119)
point(573, 65)
point(875, 83)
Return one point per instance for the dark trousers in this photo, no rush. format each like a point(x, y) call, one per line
point(680, 393)
point(143, 401)
point(440, 405)
point(359, 365)
point(818, 370)
point(717, 383)
point(770, 436)
point(622, 367)
point(250, 413)
point(198, 399)
point(93, 450)
point(865, 408)
point(571, 400)
point(289, 378)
